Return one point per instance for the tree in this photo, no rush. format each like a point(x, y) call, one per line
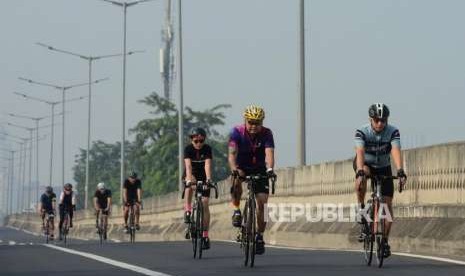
point(154, 152)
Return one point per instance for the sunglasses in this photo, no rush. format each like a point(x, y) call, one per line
point(254, 123)
point(377, 120)
point(198, 141)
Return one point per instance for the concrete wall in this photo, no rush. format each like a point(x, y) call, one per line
point(429, 213)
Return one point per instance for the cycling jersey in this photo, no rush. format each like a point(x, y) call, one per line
point(102, 198)
point(47, 201)
point(131, 189)
point(377, 145)
point(67, 200)
point(250, 148)
point(198, 157)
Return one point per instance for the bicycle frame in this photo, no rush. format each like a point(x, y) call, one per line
point(49, 218)
point(132, 223)
point(102, 225)
point(195, 226)
point(249, 220)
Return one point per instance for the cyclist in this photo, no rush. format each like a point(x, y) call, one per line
point(67, 202)
point(251, 151)
point(132, 195)
point(198, 164)
point(375, 142)
point(102, 202)
point(47, 206)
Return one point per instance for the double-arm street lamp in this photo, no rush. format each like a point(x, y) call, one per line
point(52, 105)
point(63, 89)
point(124, 6)
point(89, 59)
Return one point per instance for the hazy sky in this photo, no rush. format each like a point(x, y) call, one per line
point(408, 54)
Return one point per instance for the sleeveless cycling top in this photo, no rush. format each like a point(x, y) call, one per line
point(377, 145)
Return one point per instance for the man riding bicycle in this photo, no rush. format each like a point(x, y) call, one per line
point(251, 151)
point(132, 196)
point(47, 206)
point(67, 202)
point(102, 203)
point(198, 167)
point(374, 144)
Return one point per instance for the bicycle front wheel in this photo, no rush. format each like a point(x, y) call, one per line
point(246, 234)
point(199, 227)
point(253, 232)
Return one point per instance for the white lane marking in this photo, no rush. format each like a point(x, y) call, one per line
point(11, 243)
point(134, 268)
point(21, 243)
point(426, 257)
point(1, 241)
point(114, 240)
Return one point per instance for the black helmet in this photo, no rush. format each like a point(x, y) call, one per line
point(198, 131)
point(48, 189)
point(378, 110)
point(68, 186)
point(133, 174)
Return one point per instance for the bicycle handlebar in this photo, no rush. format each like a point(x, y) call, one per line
point(203, 184)
point(252, 177)
point(384, 177)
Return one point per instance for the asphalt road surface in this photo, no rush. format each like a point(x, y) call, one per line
point(26, 254)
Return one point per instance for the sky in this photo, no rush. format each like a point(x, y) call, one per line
point(408, 54)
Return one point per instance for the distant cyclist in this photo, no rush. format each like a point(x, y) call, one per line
point(132, 196)
point(102, 202)
point(374, 144)
point(251, 151)
point(198, 163)
point(67, 202)
point(47, 206)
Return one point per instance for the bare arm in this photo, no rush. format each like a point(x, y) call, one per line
point(96, 204)
point(360, 157)
point(188, 164)
point(269, 158)
point(232, 155)
point(397, 157)
point(139, 195)
point(109, 203)
point(208, 168)
point(125, 195)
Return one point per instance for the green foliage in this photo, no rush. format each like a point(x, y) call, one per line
point(154, 152)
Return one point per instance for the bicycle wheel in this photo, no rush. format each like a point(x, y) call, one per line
point(100, 228)
point(253, 232)
point(246, 235)
point(368, 243)
point(380, 243)
point(193, 229)
point(65, 229)
point(47, 231)
point(199, 227)
point(132, 229)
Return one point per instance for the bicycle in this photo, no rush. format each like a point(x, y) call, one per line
point(65, 226)
point(102, 225)
point(195, 225)
point(49, 218)
point(132, 223)
point(374, 230)
point(248, 228)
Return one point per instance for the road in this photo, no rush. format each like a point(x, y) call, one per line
point(25, 254)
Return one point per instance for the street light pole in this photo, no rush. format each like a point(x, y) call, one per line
point(63, 89)
point(52, 105)
point(125, 6)
point(301, 151)
point(181, 103)
point(89, 60)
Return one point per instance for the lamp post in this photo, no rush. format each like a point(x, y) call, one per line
point(89, 60)
point(124, 6)
point(36, 120)
point(301, 144)
point(181, 96)
point(11, 179)
point(63, 90)
point(52, 105)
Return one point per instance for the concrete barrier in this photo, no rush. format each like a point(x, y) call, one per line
point(429, 213)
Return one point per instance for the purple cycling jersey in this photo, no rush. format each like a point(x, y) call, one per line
point(250, 148)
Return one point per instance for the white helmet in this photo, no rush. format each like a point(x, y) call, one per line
point(101, 186)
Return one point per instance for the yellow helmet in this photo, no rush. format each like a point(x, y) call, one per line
point(254, 112)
